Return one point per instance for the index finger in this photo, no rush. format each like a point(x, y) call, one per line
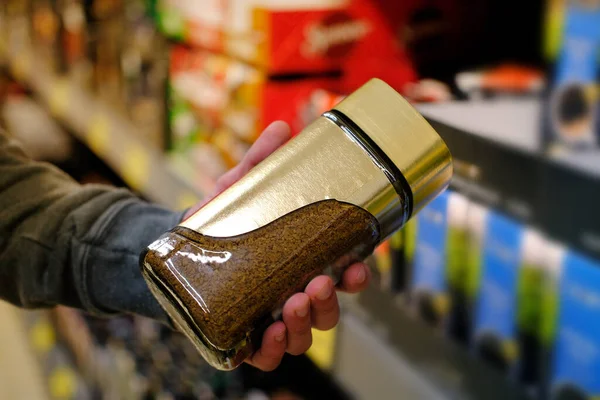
point(273, 137)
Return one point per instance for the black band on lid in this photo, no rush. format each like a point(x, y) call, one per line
point(378, 156)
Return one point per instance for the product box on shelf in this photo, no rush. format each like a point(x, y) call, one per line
point(388, 261)
point(293, 37)
point(576, 351)
point(184, 20)
point(439, 256)
point(572, 111)
point(507, 322)
point(456, 265)
point(216, 99)
point(476, 226)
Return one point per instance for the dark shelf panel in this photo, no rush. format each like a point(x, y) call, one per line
point(450, 368)
point(558, 194)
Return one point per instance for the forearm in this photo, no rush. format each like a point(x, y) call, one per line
point(63, 243)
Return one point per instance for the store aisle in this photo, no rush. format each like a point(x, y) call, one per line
point(20, 375)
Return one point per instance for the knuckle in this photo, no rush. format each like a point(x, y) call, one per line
point(301, 330)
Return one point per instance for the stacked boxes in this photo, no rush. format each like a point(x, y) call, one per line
point(249, 63)
point(219, 105)
point(108, 47)
point(284, 37)
point(523, 303)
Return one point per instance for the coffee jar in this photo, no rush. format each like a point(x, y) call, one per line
point(321, 202)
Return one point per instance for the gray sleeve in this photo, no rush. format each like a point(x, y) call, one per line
point(64, 243)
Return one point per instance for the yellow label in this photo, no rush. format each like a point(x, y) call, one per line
point(186, 200)
point(21, 66)
point(441, 304)
point(62, 383)
point(98, 135)
point(59, 98)
point(136, 167)
point(322, 350)
point(42, 337)
point(511, 351)
point(383, 257)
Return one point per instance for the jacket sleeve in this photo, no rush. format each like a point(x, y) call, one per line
point(70, 244)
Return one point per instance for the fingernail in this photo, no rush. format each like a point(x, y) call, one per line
point(302, 312)
point(280, 337)
point(325, 292)
point(361, 275)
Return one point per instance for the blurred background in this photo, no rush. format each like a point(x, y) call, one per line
point(491, 292)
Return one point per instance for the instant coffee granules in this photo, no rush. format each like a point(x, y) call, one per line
point(231, 284)
point(325, 199)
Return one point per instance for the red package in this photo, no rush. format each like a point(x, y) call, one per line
point(320, 40)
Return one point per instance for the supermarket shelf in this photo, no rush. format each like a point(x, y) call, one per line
point(369, 370)
point(111, 136)
point(62, 378)
point(499, 162)
point(21, 376)
point(411, 357)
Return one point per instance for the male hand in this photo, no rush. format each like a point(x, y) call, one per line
point(318, 305)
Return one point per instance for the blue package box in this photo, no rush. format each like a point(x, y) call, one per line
point(439, 255)
point(428, 279)
point(573, 113)
point(576, 365)
point(495, 315)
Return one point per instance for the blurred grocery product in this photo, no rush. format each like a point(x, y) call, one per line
point(575, 353)
point(438, 256)
point(503, 79)
point(216, 99)
point(571, 116)
point(320, 35)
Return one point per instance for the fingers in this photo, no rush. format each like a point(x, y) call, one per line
point(325, 310)
point(317, 307)
point(273, 137)
point(356, 278)
point(272, 349)
point(296, 315)
point(229, 178)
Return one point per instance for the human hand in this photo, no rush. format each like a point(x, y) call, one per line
point(318, 305)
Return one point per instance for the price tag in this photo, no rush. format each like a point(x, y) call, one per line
point(98, 134)
point(21, 65)
point(323, 348)
point(58, 100)
point(62, 383)
point(136, 167)
point(186, 200)
point(42, 337)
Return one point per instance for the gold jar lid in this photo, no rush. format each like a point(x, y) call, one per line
point(404, 136)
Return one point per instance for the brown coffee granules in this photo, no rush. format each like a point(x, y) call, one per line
point(229, 286)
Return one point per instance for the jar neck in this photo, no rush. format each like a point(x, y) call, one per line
point(379, 158)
